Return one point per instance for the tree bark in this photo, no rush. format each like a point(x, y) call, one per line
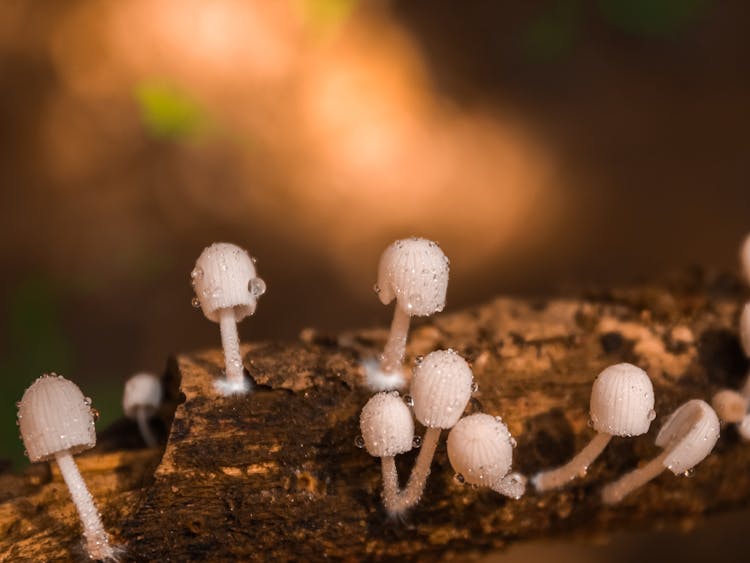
point(275, 474)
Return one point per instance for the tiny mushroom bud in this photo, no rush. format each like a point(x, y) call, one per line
point(414, 272)
point(730, 405)
point(687, 438)
point(480, 450)
point(387, 430)
point(140, 401)
point(56, 422)
point(622, 404)
point(227, 290)
point(440, 390)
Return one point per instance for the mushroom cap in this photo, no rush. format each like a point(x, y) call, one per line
point(143, 390)
point(745, 329)
point(480, 449)
point(386, 424)
point(54, 416)
point(745, 258)
point(224, 277)
point(730, 405)
point(414, 271)
point(441, 388)
point(689, 435)
point(622, 401)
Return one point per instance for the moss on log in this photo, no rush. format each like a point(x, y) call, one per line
point(275, 475)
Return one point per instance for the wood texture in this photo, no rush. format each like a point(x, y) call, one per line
point(275, 475)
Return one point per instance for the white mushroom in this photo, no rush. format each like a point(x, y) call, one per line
point(480, 449)
point(227, 290)
point(622, 404)
point(440, 390)
point(140, 401)
point(687, 438)
point(56, 422)
point(387, 430)
point(414, 272)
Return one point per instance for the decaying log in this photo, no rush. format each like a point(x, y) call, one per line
point(275, 475)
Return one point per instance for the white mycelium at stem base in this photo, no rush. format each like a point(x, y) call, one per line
point(227, 290)
point(622, 404)
point(414, 272)
point(140, 401)
point(687, 437)
point(440, 389)
point(480, 449)
point(387, 430)
point(56, 422)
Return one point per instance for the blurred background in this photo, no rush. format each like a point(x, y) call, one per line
point(546, 145)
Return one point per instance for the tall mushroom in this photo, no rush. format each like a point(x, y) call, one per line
point(440, 390)
point(622, 404)
point(227, 290)
point(56, 422)
point(687, 438)
point(414, 272)
point(480, 449)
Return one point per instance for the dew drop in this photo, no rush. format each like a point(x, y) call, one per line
point(196, 274)
point(359, 441)
point(376, 288)
point(256, 286)
point(651, 414)
point(474, 387)
point(458, 478)
point(409, 400)
point(94, 414)
point(513, 442)
point(590, 422)
point(689, 472)
point(87, 401)
point(582, 472)
point(499, 418)
point(419, 359)
point(195, 302)
point(416, 442)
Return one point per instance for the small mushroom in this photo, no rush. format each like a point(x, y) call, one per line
point(480, 449)
point(687, 438)
point(227, 290)
point(56, 422)
point(745, 258)
point(140, 401)
point(622, 404)
point(387, 430)
point(440, 390)
point(414, 272)
point(730, 405)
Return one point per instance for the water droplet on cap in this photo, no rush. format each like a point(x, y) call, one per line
point(359, 441)
point(409, 400)
point(416, 442)
point(256, 286)
point(458, 478)
point(195, 302)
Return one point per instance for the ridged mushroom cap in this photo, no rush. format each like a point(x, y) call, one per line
point(622, 401)
point(745, 329)
point(441, 388)
point(689, 435)
point(729, 405)
point(745, 258)
point(480, 449)
point(224, 277)
point(54, 416)
point(386, 425)
point(414, 271)
point(141, 390)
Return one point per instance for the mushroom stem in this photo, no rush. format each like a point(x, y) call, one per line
point(418, 478)
point(142, 417)
point(230, 341)
point(390, 482)
point(97, 540)
point(395, 348)
point(576, 467)
point(618, 490)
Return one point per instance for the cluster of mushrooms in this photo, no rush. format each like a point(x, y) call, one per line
point(56, 420)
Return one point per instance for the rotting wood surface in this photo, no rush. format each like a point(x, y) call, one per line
point(275, 475)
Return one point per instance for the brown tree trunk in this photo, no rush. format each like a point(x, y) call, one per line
point(275, 475)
